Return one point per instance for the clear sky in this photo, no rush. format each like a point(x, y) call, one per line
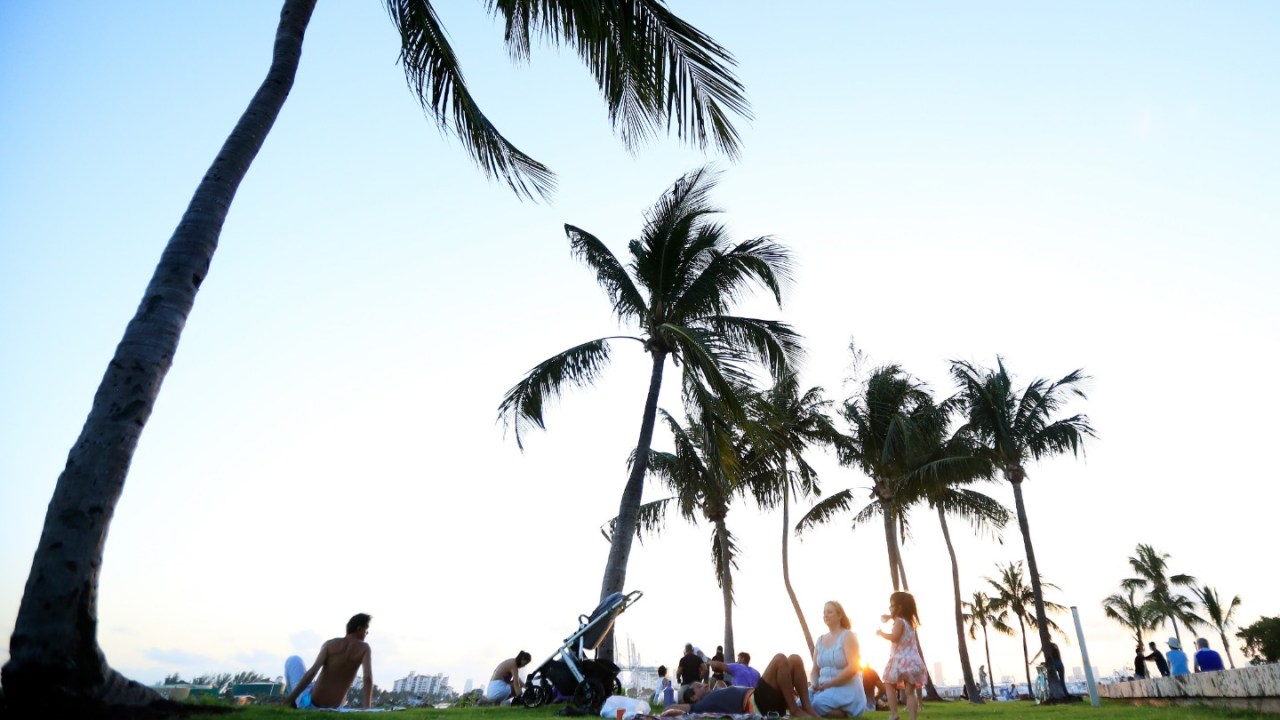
point(1085, 184)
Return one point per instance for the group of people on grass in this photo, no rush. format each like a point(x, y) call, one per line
point(835, 686)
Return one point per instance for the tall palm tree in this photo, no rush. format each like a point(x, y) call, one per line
point(703, 473)
point(679, 287)
point(1013, 428)
point(654, 70)
point(1138, 616)
point(1013, 594)
point(942, 484)
point(979, 612)
point(894, 427)
point(1220, 616)
point(783, 424)
point(1152, 569)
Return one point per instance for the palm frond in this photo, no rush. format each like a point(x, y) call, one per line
point(651, 520)
point(774, 344)
point(628, 302)
point(435, 76)
point(726, 276)
point(720, 562)
point(523, 406)
point(653, 68)
point(826, 509)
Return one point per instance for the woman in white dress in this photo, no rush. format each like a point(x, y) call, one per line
point(837, 667)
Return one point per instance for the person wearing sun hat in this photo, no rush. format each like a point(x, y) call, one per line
point(1177, 659)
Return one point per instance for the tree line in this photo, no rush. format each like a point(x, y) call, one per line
point(741, 438)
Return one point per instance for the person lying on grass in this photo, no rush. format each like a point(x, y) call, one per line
point(783, 688)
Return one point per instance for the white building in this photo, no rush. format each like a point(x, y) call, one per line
point(422, 684)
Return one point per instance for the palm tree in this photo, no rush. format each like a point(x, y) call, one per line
point(1124, 608)
point(683, 278)
point(783, 423)
point(1152, 569)
point(979, 612)
point(653, 68)
point(941, 484)
point(1220, 616)
point(1013, 429)
point(703, 472)
point(894, 425)
point(1013, 594)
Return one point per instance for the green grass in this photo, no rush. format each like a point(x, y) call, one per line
point(931, 711)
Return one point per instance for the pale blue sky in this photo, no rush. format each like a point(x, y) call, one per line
point(1067, 184)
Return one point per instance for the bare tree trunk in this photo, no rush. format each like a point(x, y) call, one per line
point(1026, 657)
point(966, 668)
point(891, 545)
point(991, 671)
point(1226, 647)
point(786, 566)
point(1057, 685)
point(55, 662)
point(615, 569)
point(726, 586)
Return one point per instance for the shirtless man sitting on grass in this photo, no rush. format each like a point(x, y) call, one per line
point(336, 664)
point(783, 688)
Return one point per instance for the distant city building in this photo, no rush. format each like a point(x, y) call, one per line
point(467, 688)
point(937, 674)
point(416, 684)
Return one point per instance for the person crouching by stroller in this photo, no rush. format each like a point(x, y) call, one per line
point(505, 682)
point(783, 688)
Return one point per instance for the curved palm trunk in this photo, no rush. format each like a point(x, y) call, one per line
point(970, 687)
point(615, 569)
point(1026, 657)
point(786, 567)
point(891, 545)
point(726, 585)
point(1226, 647)
point(991, 671)
point(54, 653)
point(1057, 686)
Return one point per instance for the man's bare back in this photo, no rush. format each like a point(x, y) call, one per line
point(336, 665)
point(340, 659)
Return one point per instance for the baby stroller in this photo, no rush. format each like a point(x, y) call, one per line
point(570, 672)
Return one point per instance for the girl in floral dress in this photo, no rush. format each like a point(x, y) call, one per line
point(905, 668)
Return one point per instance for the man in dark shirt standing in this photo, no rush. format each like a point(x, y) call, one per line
point(1158, 657)
point(689, 670)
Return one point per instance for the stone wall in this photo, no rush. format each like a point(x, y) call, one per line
point(1256, 687)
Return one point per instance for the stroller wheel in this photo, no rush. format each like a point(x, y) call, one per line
point(534, 695)
point(589, 693)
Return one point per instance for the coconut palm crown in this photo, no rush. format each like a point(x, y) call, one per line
point(678, 288)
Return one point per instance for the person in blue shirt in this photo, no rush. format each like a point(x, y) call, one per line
point(740, 673)
point(1177, 659)
point(1207, 660)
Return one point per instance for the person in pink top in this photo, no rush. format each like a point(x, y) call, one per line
point(906, 668)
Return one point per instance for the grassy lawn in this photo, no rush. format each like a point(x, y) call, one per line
point(931, 711)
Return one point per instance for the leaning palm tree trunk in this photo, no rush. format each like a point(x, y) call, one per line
point(970, 687)
point(891, 545)
point(786, 566)
point(991, 671)
point(54, 652)
point(615, 569)
point(1057, 688)
point(1026, 657)
point(726, 585)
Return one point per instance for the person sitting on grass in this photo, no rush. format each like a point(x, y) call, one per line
point(336, 665)
point(783, 688)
